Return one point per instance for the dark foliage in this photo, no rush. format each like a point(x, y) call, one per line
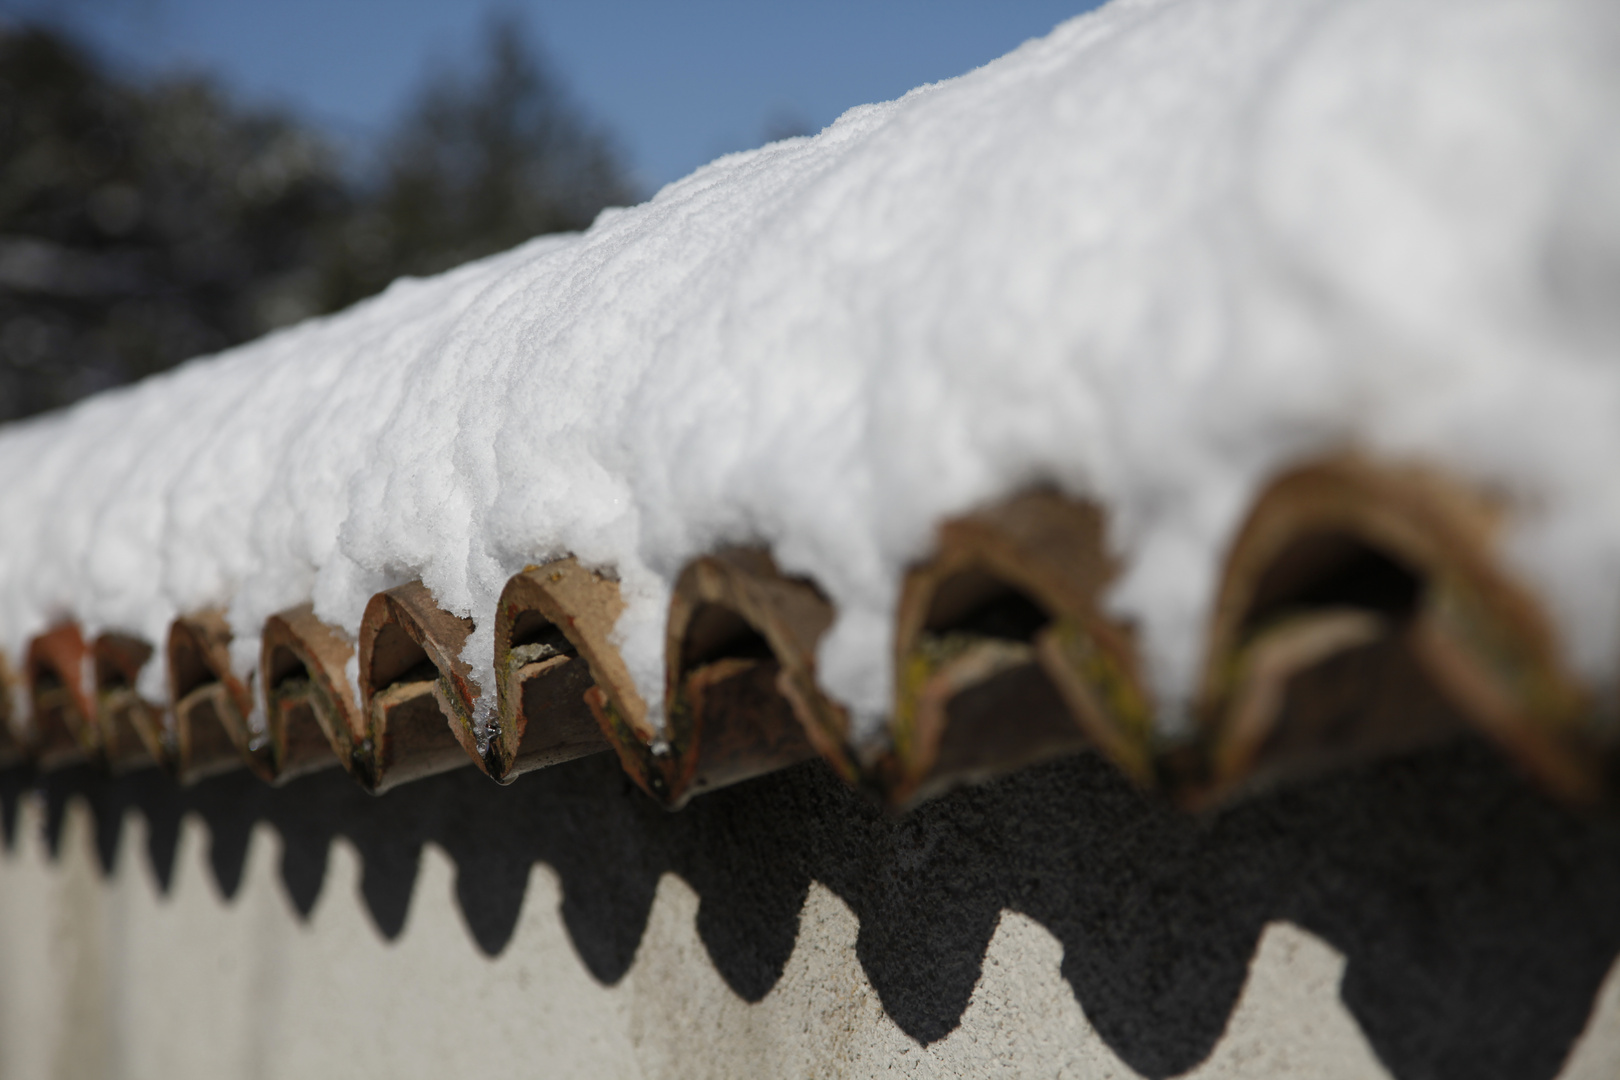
point(481, 163)
point(144, 224)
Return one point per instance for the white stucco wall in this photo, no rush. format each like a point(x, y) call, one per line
point(108, 977)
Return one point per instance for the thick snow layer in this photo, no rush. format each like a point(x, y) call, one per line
point(1148, 258)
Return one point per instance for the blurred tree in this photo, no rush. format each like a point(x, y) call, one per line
point(483, 161)
point(144, 224)
point(140, 226)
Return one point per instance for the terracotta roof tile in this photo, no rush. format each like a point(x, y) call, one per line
point(1362, 611)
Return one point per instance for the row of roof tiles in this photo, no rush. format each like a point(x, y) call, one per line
point(1361, 611)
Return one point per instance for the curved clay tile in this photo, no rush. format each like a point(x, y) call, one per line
point(583, 606)
point(210, 705)
point(416, 694)
point(740, 694)
point(13, 744)
point(1003, 655)
point(789, 615)
point(130, 728)
point(541, 674)
point(1362, 611)
point(727, 719)
point(60, 700)
point(310, 711)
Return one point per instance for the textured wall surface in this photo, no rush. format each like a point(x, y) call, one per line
point(1430, 917)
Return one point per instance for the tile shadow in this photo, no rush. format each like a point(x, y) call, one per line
point(1478, 918)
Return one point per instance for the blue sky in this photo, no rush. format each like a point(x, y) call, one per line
point(677, 83)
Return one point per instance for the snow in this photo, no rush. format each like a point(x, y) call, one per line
point(1149, 258)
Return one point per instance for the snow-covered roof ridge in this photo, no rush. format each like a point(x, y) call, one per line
point(1361, 612)
point(1149, 260)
